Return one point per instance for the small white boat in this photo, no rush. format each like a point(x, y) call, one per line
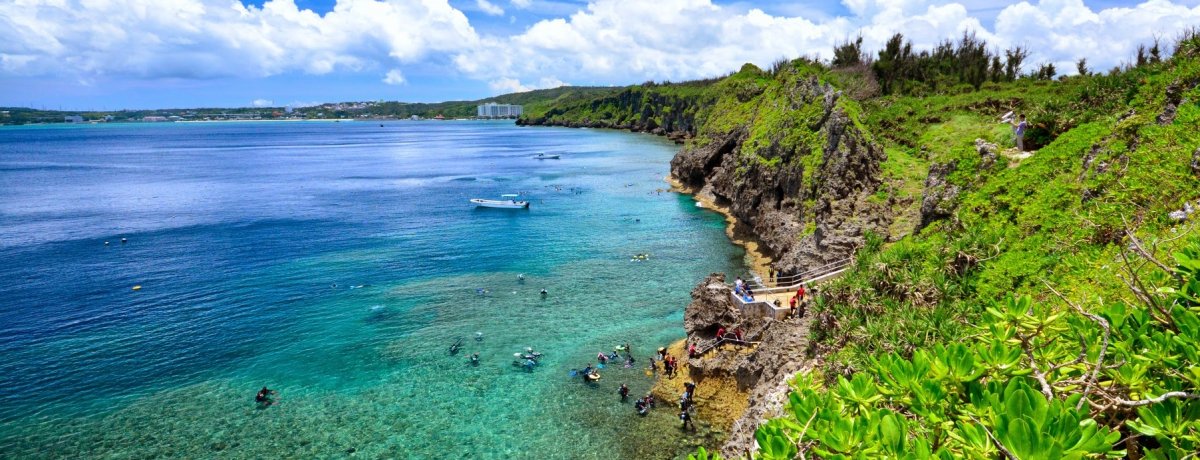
point(544, 156)
point(509, 202)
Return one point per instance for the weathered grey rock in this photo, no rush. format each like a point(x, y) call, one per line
point(803, 219)
point(987, 154)
point(1196, 162)
point(1173, 99)
point(938, 199)
point(711, 307)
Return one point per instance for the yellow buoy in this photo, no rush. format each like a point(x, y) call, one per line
point(137, 288)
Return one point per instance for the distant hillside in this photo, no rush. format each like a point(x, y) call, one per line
point(459, 109)
point(672, 109)
point(368, 109)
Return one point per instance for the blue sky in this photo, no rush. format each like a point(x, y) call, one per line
point(113, 54)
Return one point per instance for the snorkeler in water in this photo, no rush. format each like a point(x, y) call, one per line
point(264, 397)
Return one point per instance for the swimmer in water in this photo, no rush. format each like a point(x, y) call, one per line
point(263, 398)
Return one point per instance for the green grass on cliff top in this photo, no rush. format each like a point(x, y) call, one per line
point(1050, 217)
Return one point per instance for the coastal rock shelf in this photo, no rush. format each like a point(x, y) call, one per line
point(759, 371)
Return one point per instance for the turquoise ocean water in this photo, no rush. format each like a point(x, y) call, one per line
point(336, 263)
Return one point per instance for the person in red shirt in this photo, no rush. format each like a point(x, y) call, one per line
point(800, 292)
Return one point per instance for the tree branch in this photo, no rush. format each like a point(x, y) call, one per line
point(1003, 450)
point(1137, 246)
point(1091, 380)
point(802, 432)
point(1037, 371)
point(1160, 398)
point(1151, 302)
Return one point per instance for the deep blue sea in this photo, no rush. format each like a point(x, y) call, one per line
point(336, 263)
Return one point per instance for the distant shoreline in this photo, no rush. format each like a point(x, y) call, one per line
point(251, 121)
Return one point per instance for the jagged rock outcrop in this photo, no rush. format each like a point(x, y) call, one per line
point(763, 373)
point(1174, 98)
point(803, 219)
point(1196, 162)
point(938, 199)
point(711, 307)
point(987, 154)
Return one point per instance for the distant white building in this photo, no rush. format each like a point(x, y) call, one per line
point(73, 119)
point(494, 110)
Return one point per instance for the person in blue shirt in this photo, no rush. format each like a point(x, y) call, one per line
point(1019, 127)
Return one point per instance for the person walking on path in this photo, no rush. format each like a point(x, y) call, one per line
point(1019, 127)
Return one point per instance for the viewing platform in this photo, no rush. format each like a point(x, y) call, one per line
point(781, 289)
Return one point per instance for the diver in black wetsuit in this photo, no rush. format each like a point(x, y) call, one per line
point(263, 398)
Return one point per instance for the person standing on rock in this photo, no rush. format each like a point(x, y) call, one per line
point(686, 418)
point(1019, 127)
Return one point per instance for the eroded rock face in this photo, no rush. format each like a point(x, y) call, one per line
point(803, 219)
point(711, 307)
point(938, 200)
point(1196, 162)
point(1174, 98)
point(762, 372)
point(987, 153)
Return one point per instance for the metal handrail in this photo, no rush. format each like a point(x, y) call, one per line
point(806, 276)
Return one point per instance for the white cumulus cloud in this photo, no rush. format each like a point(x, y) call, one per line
point(219, 38)
point(394, 77)
point(625, 41)
point(604, 42)
point(489, 8)
point(262, 103)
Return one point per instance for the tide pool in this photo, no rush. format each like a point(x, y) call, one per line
point(336, 263)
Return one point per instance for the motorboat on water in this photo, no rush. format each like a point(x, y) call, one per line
point(509, 201)
point(546, 156)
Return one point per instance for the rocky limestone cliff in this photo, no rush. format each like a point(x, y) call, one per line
point(762, 372)
point(804, 219)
